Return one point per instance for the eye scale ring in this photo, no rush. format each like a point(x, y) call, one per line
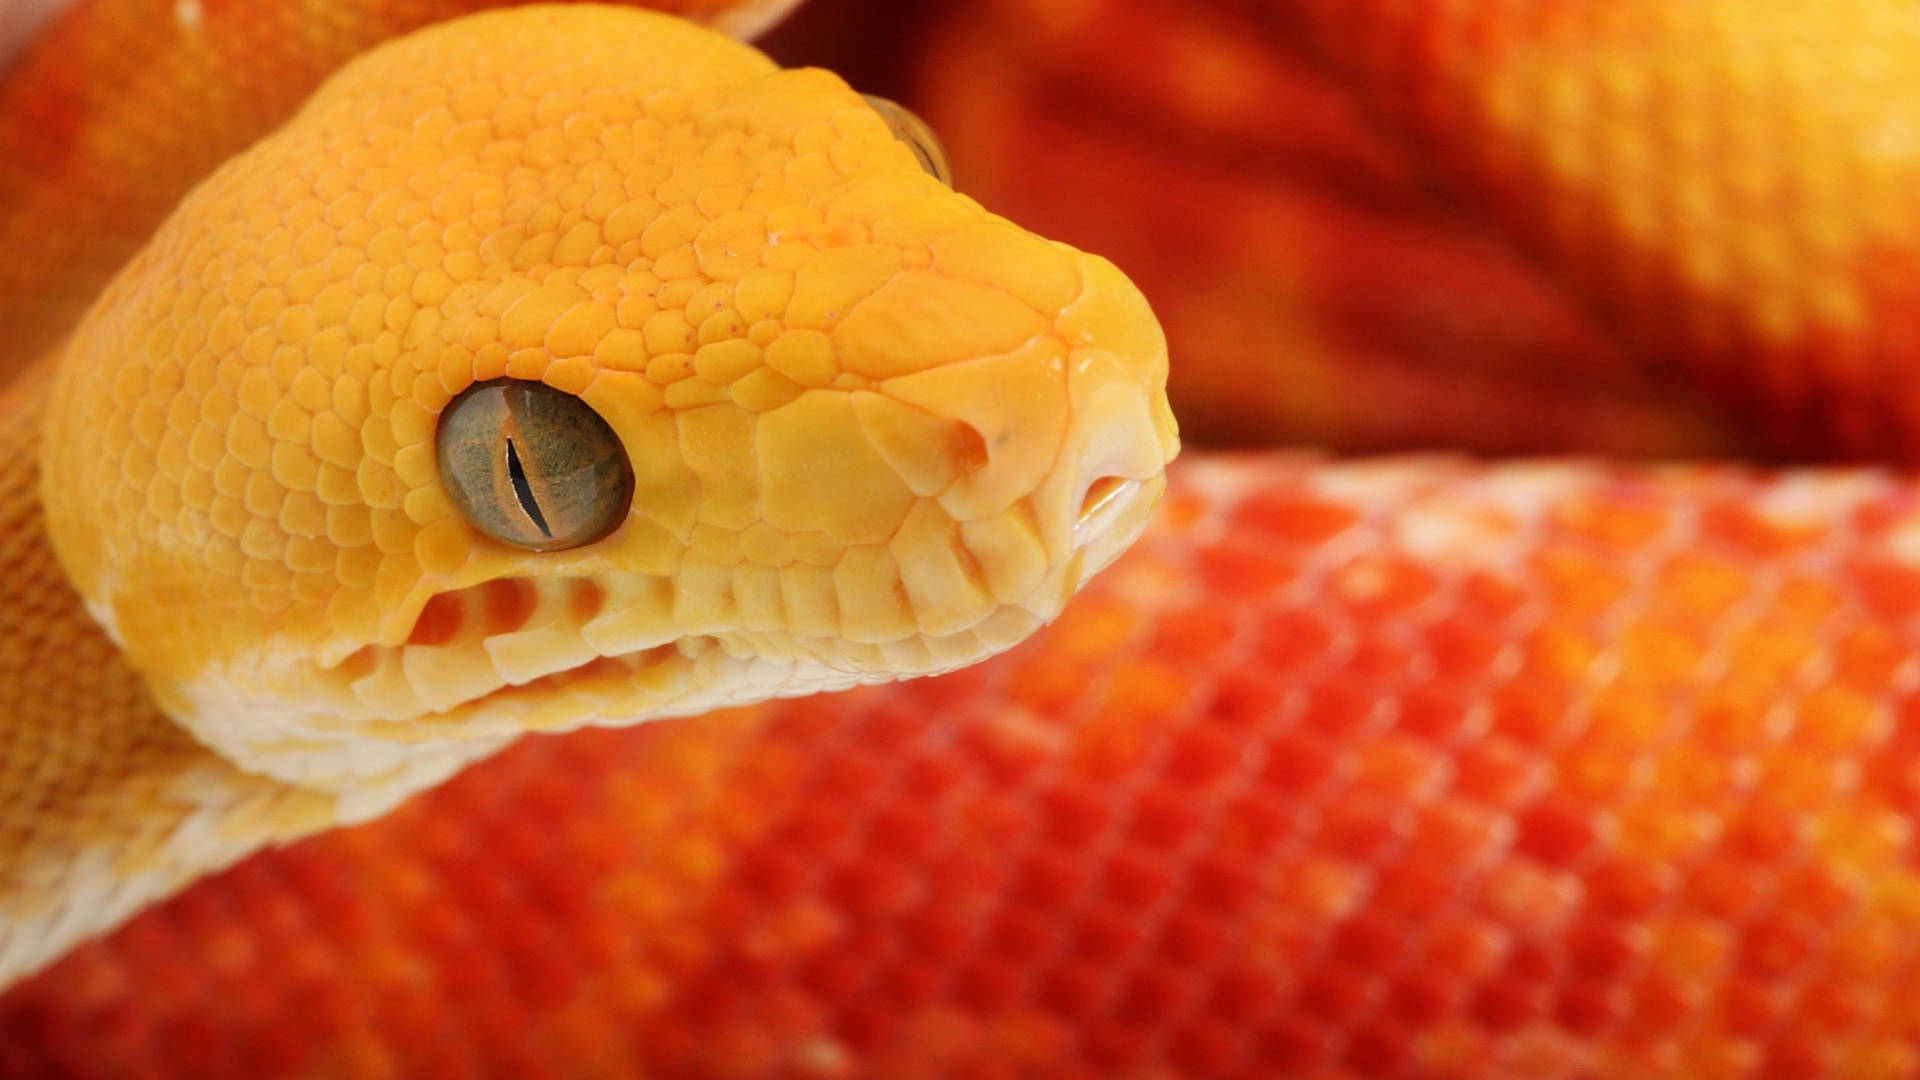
point(532, 466)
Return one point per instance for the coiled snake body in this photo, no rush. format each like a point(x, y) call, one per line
point(1405, 768)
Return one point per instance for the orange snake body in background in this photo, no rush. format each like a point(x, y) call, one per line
point(1394, 768)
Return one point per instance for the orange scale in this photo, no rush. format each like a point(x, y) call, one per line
point(1293, 518)
point(900, 982)
point(1378, 662)
point(1147, 692)
point(1804, 600)
point(1776, 947)
point(1794, 1055)
point(1204, 1046)
point(1049, 684)
point(1489, 599)
point(1361, 828)
point(1202, 757)
point(1164, 820)
point(1073, 990)
point(1048, 880)
point(1107, 752)
point(1877, 1058)
point(1817, 895)
point(1396, 767)
point(1296, 764)
point(1378, 586)
point(1343, 707)
point(1766, 835)
point(1369, 941)
point(1833, 1006)
point(1688, 778)
point(1239, 569)
point(1496, 772)
point(1661, 654)
point(1771, 652)
point(1459, 648)
point(1241, 991)
point(1194, 635)
point(1439, 715)
point(1533, 710)
point(1463, 949)
point(1799, 781)
point(1718, 1057)
point(1731, 716)
point(1183, 510)
point(1661, 1004)
point(1153, 992)
point(1504, 1005)
point(1890, 590)
point(1745, 531)
point(1242, 699)
point(1337, 996)
point(1616, 521)
point(988, 984)
point(1868, 839)
point(1578, 584)
point(1422, 998)
point(1135, 880)
point(1379, 1048)
point(1560, 832)
point(1694, 585)
point(1839, 720)
point(1416, 889)
point(1870, 949)
point(1599, 770)
point(1750, 1009)
point(1461, 832)
point(1294, 1044)
point(872, 888)
point(1289, 640)
point(1191, 940)
point(1254, 825)
point(1867, 657)
point(1114, 1046)
point(1071, 814)
point(904, 830)
point(1590, 1009)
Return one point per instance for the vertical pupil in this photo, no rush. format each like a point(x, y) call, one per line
point(524, 491)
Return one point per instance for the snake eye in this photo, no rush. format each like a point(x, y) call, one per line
point(919, 137)
point(533, 466)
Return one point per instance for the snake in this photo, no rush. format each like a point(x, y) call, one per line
point(1398, 767)
point(551, 367)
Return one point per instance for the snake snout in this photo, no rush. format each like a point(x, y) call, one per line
point(1120, 433)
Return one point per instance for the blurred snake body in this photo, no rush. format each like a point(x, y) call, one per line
point(567, 367)
point(866, 429)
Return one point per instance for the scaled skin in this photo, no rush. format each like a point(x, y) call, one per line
point(876, 431)
point(116, 109)
point(1398, 769)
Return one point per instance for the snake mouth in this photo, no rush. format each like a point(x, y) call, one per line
point(522, 653)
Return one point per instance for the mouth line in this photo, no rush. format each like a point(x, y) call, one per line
point(520, 652)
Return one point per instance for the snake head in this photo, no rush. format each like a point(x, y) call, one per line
point(577, 365)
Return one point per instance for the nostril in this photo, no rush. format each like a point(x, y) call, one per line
point(1099, 495)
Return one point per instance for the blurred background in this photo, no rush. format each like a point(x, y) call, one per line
point(1317, 278)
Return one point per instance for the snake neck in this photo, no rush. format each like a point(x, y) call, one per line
point(105, 804)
